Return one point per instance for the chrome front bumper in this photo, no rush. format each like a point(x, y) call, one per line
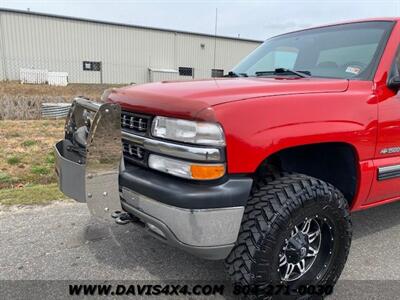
point(92, 176)
point(208, 233)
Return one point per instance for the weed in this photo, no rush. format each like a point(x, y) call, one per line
point(13, 160)
point(40, 170)
point(4, 177)
point(29, 143)
point(50, 159)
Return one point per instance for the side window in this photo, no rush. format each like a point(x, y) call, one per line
point(351, 60)
point(395, 69)
point(284, 57)
point(345, 55)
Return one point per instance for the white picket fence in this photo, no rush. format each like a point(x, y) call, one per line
point(33, 76)
point(58, 78)
point(37, 76)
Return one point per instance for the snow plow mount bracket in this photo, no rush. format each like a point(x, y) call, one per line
point(93, 133)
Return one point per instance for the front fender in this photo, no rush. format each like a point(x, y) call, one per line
point(257, 128)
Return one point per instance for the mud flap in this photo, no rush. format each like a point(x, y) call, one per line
point(92, 146)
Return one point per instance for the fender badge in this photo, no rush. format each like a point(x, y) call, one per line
point(390, 150)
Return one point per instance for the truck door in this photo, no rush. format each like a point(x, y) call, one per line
point(386, 184)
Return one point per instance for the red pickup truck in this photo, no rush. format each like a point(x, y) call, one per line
point(261, 168)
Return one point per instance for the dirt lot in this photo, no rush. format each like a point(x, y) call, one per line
point(26, 155)
point(27, 161)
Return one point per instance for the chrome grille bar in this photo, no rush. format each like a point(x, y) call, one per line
point(175, 150)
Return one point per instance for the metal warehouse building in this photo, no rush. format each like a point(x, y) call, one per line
point(93, 51)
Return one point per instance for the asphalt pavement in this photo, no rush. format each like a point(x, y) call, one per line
point(63, 242)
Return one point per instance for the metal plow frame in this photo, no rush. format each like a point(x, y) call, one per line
point(101, 158)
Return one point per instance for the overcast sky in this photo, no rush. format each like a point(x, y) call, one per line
point(253, 19)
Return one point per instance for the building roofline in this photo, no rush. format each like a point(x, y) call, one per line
point(17, 11)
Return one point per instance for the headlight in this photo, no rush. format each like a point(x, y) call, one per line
point(202, 133)
point(186, 169)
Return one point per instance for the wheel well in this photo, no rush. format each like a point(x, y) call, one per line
point(335, 163)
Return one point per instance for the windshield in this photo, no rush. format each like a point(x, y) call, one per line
point(348, 51)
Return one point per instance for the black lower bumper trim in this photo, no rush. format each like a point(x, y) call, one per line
point(184, 193)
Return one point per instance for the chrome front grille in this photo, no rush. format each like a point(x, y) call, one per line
point(133, 152)
point(133, 122)
point(138, 143)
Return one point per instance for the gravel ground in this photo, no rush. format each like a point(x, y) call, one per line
point(62, 242)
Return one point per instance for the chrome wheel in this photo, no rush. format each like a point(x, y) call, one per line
point(300, 250)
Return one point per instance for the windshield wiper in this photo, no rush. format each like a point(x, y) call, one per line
point(234, 74)
point(284, 71)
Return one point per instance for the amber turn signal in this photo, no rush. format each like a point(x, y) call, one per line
point(186, 169)
point(207, 172)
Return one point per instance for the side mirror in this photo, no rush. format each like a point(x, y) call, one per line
point(394, 83)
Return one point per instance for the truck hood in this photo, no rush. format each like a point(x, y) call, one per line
point(186, 98)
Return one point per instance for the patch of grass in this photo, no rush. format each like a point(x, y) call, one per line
point(31, 195)
point(29, 143)
point(36, 164)
point(13, 160)
point(5, 178)
point(50, 159)
point(40, 170)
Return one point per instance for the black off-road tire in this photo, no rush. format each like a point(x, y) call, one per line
point(274, 206)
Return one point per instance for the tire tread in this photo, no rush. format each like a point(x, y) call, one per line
point(271, 203)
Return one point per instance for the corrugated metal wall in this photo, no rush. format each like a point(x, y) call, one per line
point(2, 55)
point(126, 53)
